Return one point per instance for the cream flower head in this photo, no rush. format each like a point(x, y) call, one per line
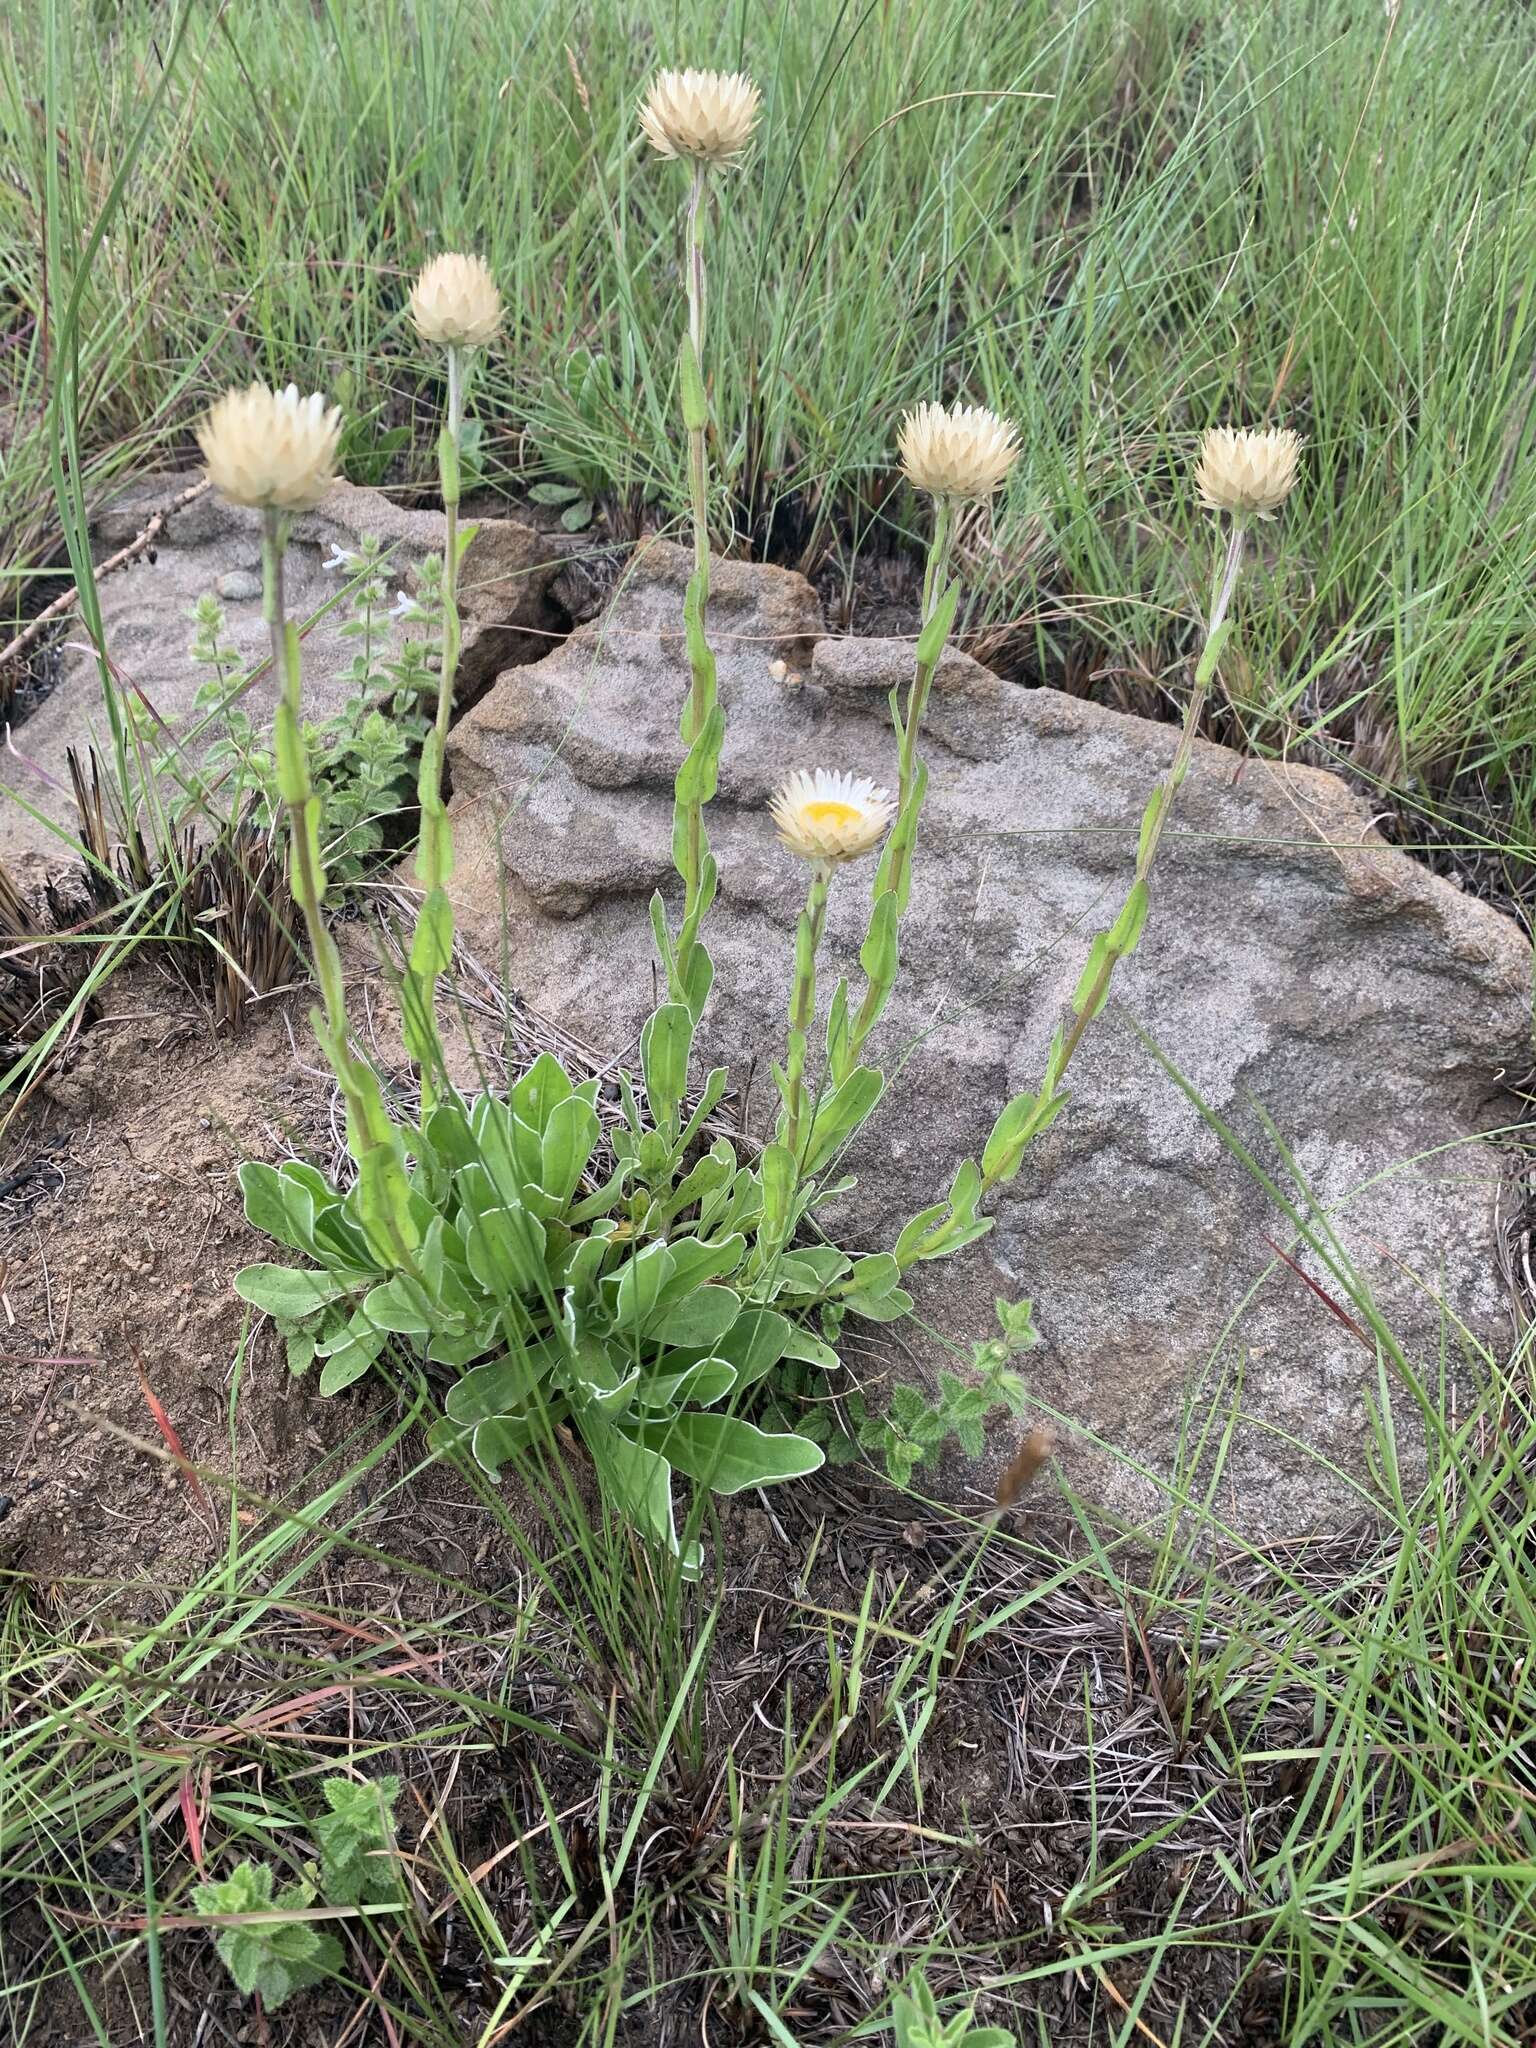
point(455, 302)
point(964, 452)
point(1248, 471)
point(708, 115)
point(826, 816)
point(271, 448)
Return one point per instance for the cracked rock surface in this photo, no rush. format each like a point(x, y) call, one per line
point(1295, 970)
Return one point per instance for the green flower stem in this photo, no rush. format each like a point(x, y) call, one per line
point(802, 1008)
point(297, 788)
point(893, 882)
point(700, 726)
point(449, 474)
point(955, 1222)
point(432, 943)
point(935, 583)
point(375, 1144)
point(1157, 812)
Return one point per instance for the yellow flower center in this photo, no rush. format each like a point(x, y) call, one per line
point(826, 810)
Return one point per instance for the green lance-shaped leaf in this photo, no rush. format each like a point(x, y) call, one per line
point(432, 943)
point(666, 1044)
point(779, 1174)
point(1125, 933)
point(287, 1292)
point(1151, 822)
point(698, 777)
point(729, 1455)
point(839, 1056)
point(949, 1225)
point(1008, 1138)
point(843, 1112)
point(931, 640)
point(1205, 668)
point(1092, 990)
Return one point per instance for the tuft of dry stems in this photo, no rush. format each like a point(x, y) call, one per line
point(706, 115)
point(271, 449)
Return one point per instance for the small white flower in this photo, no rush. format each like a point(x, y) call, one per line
point(708, 115)
point(339, 560)
point(455, 302)
point(405, 607)
point(830, 816)
point(963, 452)
point(1247, 471)
point(271, 449)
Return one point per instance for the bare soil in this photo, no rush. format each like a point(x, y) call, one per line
point(120, 1237)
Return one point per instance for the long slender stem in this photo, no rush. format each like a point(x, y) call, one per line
point(450, 473)
point(384, 1194)
point(308, 870)
point(897, 863)
point(701, 690)
point(1178, 768)
point(698, 473)
point(802, 1009)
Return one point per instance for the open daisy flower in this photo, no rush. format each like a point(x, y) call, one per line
point(827, 815)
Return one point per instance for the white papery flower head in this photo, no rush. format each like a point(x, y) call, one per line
point(825, 815)
point(707, 115)
point(272, 449)
point(455, 303)
point(963, 451)
point(1248, 471)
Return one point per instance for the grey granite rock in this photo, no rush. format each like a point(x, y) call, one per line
point(1293, 965)
point(212, 546)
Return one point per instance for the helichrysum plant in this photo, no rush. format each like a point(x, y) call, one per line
point(637, 1286)
point(276, 452)
point(705, 120)
point(1241, 475)
point(632, 1307)
point(456, 307)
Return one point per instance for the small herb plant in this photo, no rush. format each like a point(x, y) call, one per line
point(913, 1429)
point(356, 1839)
point(365, 758)
point(916, 2023)
point(274, 1957)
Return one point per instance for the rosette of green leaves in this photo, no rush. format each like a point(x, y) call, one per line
point(636, 1312)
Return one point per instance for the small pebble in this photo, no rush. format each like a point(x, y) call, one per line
point(239, 584)
point(778, 670)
